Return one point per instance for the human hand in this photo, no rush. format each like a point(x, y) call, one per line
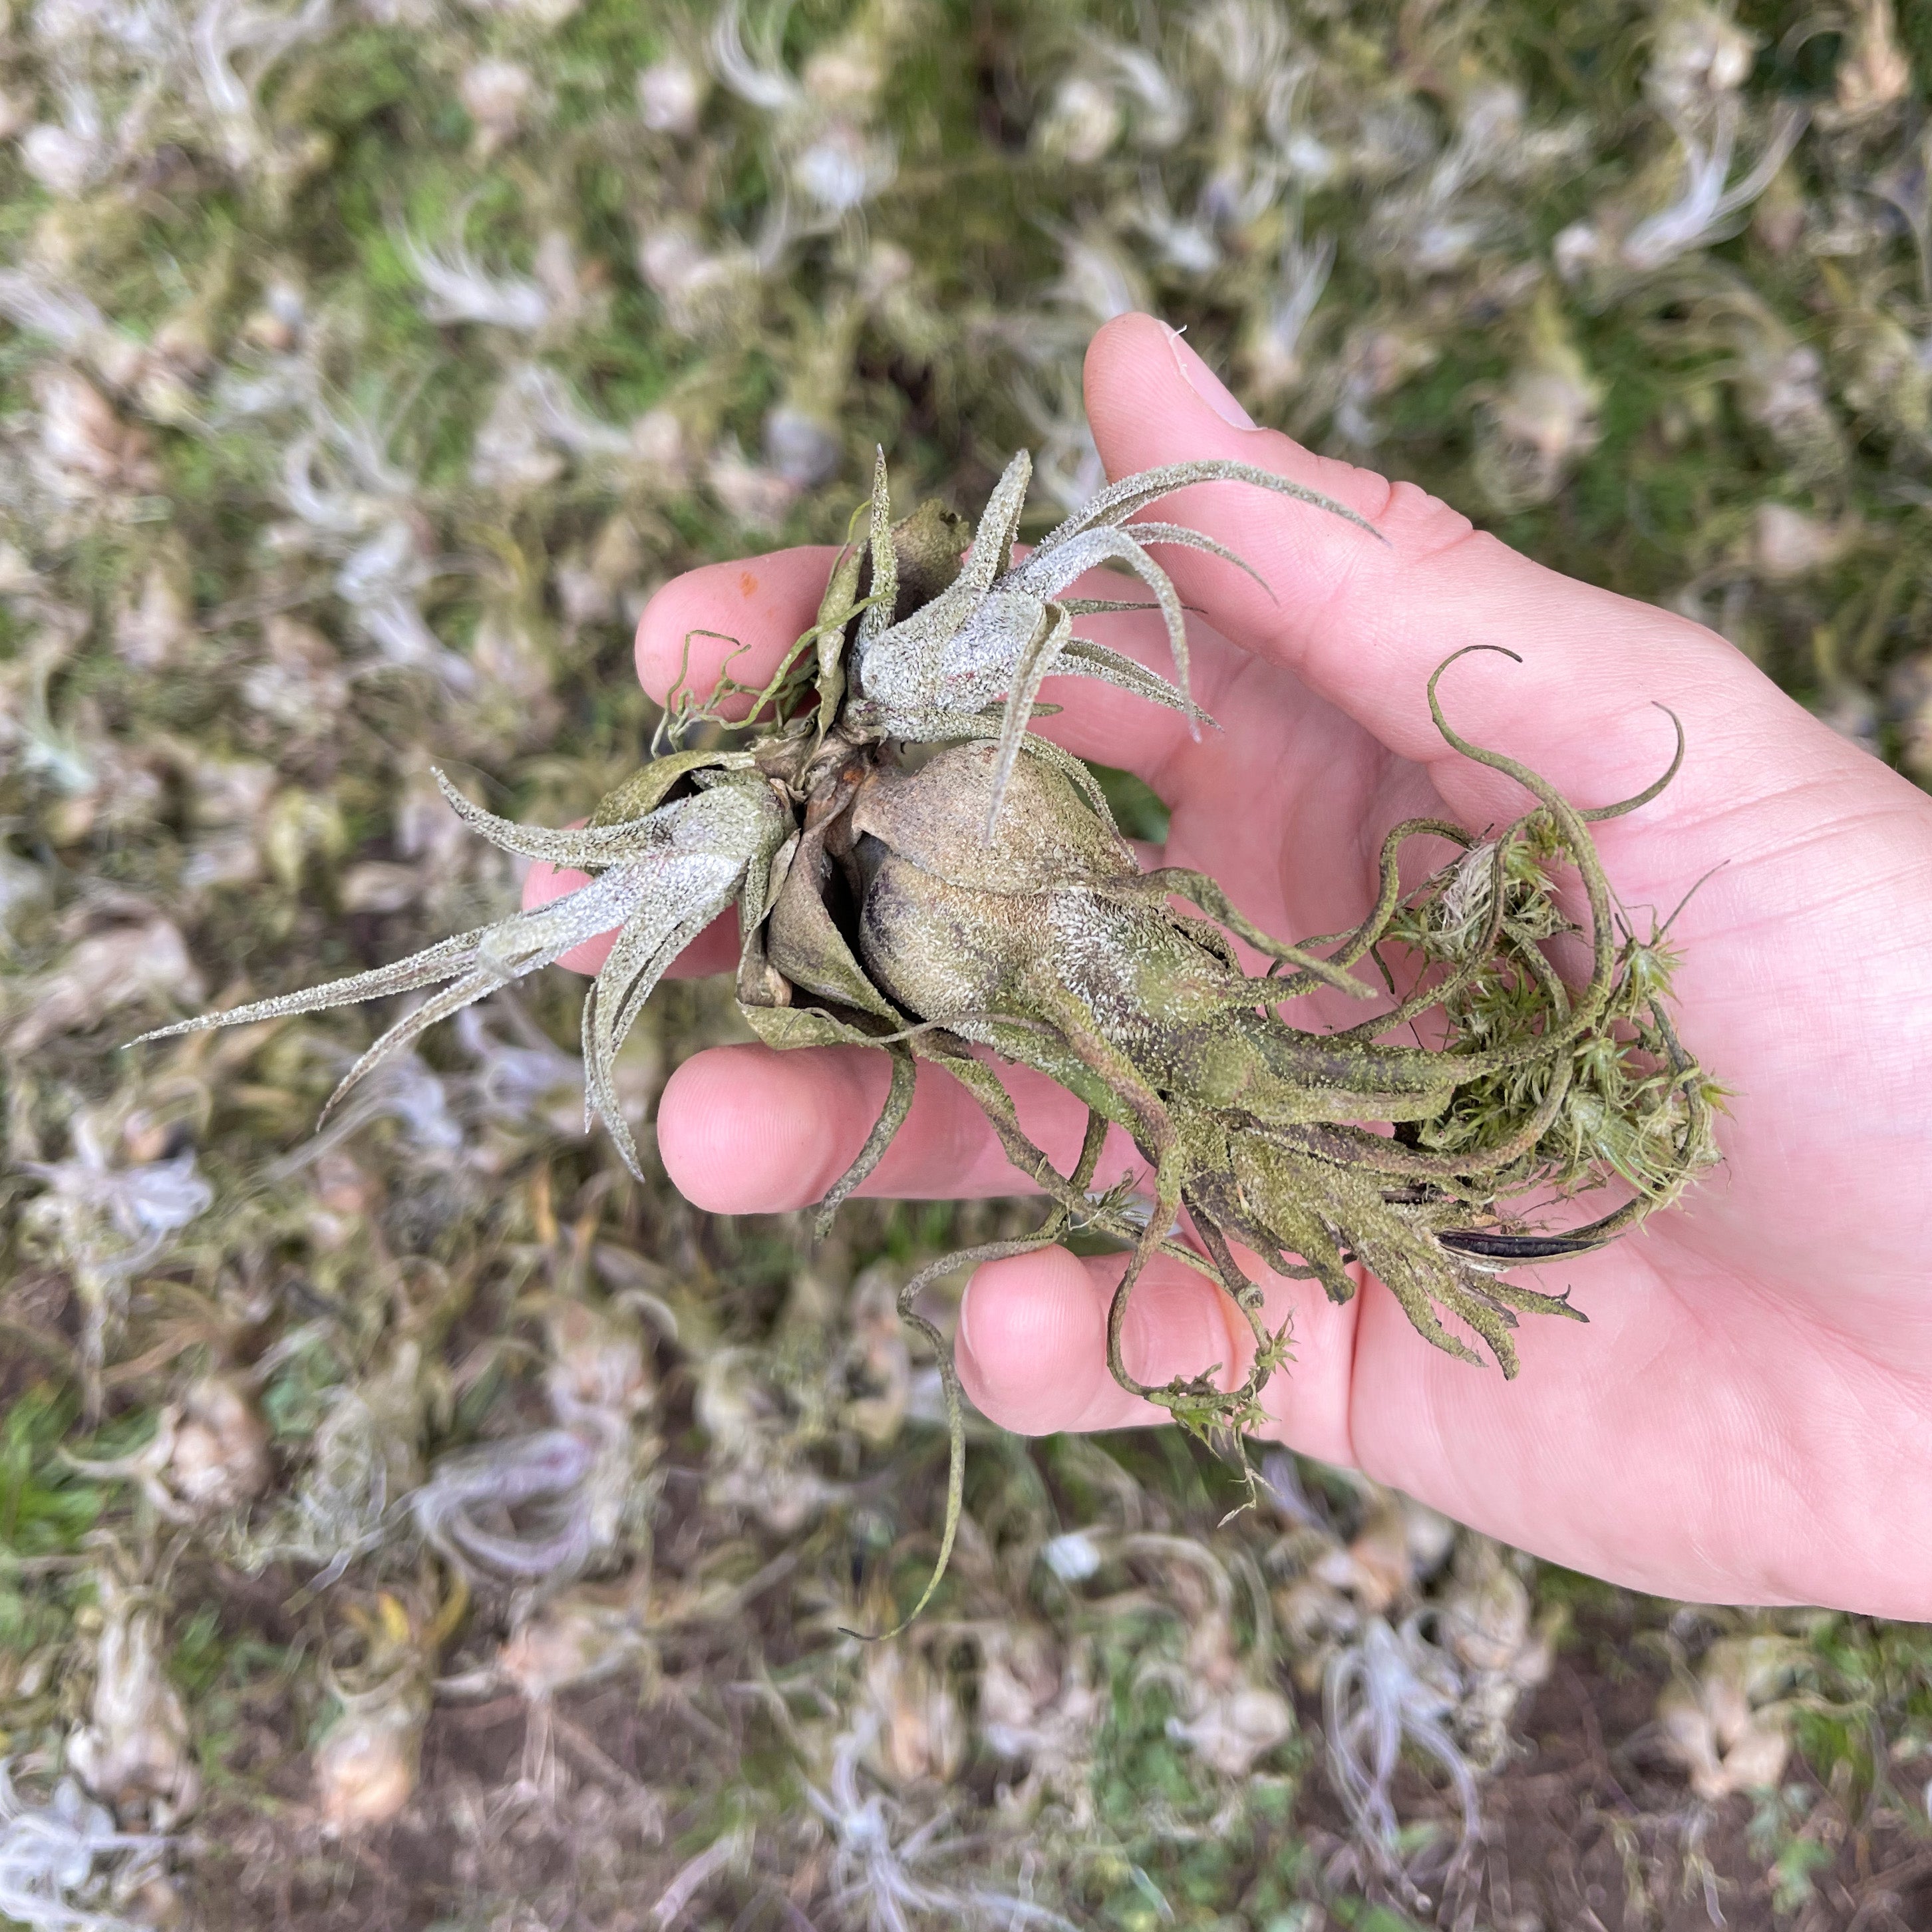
point(1748, 1417)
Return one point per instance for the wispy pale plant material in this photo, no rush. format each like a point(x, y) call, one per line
point(1391, 1691)
point(64, 1866)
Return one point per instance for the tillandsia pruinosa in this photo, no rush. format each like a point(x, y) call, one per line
point(981, 906)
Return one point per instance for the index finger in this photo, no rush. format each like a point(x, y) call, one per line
point(746, 614)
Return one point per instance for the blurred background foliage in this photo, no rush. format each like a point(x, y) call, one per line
point(422, 1525)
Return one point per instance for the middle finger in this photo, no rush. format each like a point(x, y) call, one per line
point(745, 1130)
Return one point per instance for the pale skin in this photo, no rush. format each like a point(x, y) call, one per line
point(1747, 1416)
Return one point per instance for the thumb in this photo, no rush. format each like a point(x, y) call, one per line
point(1363, 624)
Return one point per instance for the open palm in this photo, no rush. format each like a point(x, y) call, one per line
point(1747, 1417)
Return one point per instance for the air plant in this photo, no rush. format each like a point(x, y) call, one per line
point(364, 1458)
point(755, 1465)
point(367, 1761)
point(1709, 206)
point(208, 1455)
point(883, 1866)
point(64, 1866)
point(543, 1474)
point(1229, 1712)
point(224, 393)
point(912, 1716)
point(819, 120)
point(538, 1509)
point(134, 1750)
point(458, 289)
point(1728, 1722)
point(1273, 350)
point(1038, 1705)
point(107, 1221)
point(1394, 1687)
point(1533, 432)
point(670, 95)
point(495, 95)
point(1483, 1618)
point(569, 1643)
point(985, 900)
point(1409, 1654)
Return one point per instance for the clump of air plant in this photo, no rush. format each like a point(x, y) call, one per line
point(912, 1715)
point(835, 1374)
point(1040, 1708)
point(1393, 1689)
point(1230, 1712)
point(495, 95)
point(1699, 62)
point(134, 1750)
point(208, 1455)
point(1414, 1654)
point(572, 1642)
point(888, 1870)
point(366, 1763)
point(1482, 1619)
point(459, 289)
point(64, 1867)
point(364, 1458)
point(536, 1511)
point(670, 93)
point(1727, 1721)
point(755, 1466)
point(1338, 1582)
point(1542, 422)
point(577, 1639)
point(109, 1221)
point(536, 1484)
point(985, 899)
point(819, 121)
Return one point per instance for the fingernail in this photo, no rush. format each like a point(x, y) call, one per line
point(965, 1327)
point(1205, 384)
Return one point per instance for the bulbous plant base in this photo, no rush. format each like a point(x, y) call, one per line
point(981, 906)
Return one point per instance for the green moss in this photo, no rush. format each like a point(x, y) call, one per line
point(46, 1509)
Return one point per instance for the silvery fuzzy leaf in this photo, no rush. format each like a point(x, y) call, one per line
point(579, 846)
point(965, 667)
point(713, 841)
point(999, 524)
point(1147, 532)
point(1119, 501)
point(669, 874)
point(1045, 577)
